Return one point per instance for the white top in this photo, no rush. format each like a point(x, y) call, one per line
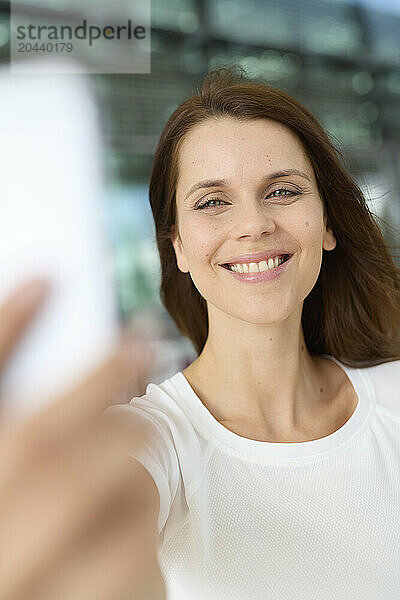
point(242, 519)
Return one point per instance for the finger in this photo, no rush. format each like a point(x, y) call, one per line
point(95, 393)
point(57, 504)
point(74, 409)
point(118, 559)
point(16, 313)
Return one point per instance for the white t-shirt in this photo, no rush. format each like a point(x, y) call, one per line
point(242, 519)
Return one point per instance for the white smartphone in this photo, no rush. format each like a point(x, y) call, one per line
point(52, 225)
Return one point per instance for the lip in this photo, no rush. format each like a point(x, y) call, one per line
point(256, 256)
point(268, 275)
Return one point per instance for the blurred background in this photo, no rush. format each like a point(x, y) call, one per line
point(341, 59)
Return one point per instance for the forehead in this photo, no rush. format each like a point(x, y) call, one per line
point(224, 147)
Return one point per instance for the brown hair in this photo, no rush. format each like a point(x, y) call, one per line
point(353, 310)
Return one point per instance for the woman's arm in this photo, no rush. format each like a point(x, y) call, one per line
point(69, 525)
point(147, 496)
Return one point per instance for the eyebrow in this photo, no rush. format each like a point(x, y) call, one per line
point(208, 183)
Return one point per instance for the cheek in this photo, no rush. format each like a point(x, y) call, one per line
point(200, 242)
point(307, 225)
point(311, 252)
point(308, 233)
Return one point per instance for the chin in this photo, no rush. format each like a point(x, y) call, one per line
point(259, 316)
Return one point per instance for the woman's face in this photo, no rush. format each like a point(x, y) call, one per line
point(228, 204)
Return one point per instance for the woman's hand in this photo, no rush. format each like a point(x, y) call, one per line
point(72, 523)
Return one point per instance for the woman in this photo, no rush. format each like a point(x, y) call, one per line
point(276, 453)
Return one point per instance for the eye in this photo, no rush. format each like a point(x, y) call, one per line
point(207, 203)
point(282, 195)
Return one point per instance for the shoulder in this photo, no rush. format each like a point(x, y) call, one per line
point(385, 379)
point(173, 437)
point(164, 408)
point(156, 408)
point(161, 399)
point(170, 454)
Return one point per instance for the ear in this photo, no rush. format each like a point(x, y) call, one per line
point(179, 251)
point(329, 242)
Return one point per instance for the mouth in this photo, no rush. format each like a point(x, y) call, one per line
point(283, 258)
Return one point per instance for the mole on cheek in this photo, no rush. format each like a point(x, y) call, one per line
point(307, 224)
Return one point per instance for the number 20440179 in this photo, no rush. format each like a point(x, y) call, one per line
point(49, 47)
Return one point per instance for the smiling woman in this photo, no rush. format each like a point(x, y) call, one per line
point(276, 452)
point(356, 281)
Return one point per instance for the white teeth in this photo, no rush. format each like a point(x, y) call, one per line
point(253, 267)
point(263, 266)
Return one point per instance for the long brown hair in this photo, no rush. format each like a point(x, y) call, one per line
point(353, 310)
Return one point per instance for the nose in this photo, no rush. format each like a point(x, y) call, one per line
point(251, 219)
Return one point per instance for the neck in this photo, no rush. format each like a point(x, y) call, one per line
point(260, 373)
